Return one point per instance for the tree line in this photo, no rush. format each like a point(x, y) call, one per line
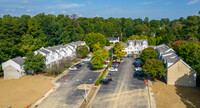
point(21, 35)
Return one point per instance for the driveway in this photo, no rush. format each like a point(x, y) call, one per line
point(124, 91)
point(67, 95)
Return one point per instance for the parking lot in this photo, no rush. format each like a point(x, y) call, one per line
point(124, 91)
point(68, 95)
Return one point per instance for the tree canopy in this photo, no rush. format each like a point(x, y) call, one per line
point(148, 53)
point(190, 53)
point(119, 50)
point(82, 50)
point(21, 35)
point(93, 38)
point(154, 67)
point(98, 58)
point(34, 62)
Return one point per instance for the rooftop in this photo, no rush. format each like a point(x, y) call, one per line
point(18, 60)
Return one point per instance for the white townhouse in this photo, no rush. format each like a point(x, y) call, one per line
point(178, 72)
point(113, 39)
point(13, 68)
point(56, 53)
point(135, 46)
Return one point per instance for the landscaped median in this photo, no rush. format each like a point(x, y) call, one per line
point(103, 73)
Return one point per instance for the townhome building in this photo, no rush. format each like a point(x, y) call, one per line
point(177, 71)
point(55, 54)
point(13, 68)
point(135, 46)
point(113, 39)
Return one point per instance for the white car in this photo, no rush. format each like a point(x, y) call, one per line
point(87, 59)
point(105, 65)
point(112, 69)
point(138, 69)
point(117, 60)
point(107, 61)
point(73, 68)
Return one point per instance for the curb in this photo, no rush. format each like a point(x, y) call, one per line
point(152, 102)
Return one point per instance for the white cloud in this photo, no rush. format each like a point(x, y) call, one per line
point(29, 10)
point(52, 12)
point(64, 6)
point(63, 11)
point(25, 1)
point(147, 3)
point(192, 2)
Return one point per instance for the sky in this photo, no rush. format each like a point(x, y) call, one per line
point(154, 9)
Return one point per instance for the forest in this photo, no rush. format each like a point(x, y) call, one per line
point(21, 35)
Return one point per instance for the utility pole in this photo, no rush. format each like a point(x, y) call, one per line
point(121, 36)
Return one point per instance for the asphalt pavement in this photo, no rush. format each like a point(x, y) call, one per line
point(124, 91)
point(68, 95)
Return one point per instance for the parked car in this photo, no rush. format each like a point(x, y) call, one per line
point(139, 75)
point(81, 63)
point(112, 69)
point(87, 59)
point(105, 81)
point(117, 60)
point(107, 61)
point(114, 65)
point(78, 66)
point(138, 65)
point(105, 65)
point(138, 61)
point(138, 69)
point(73, 68)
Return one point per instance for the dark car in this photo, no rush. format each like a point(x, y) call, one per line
point(78, 66)
point(81, 63)
point(139, 75)
point(115, 63)
point(138, 65)
point(105, 81)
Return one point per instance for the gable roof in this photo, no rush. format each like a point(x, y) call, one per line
point(44, 51)
point(137, 41)
point(18, 60)
point(170, 55)
point(112, 38)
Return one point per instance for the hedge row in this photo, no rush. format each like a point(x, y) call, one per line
point(103, 73)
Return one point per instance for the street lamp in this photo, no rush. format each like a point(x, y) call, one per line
point(84, 87)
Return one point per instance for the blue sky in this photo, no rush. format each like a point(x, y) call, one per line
point(154, 9)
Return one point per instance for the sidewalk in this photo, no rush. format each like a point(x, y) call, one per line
point(152, 102)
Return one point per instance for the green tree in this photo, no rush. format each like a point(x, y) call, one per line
point(96, 47)
point(82, 50)
point(190, 53)
point(98, 58)
point(93, 38)
point(119, 51)
point(154, 67)
point(148, 53)
point(34, 62)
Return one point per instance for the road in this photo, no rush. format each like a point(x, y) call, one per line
point(68, 95)
point(124, 91)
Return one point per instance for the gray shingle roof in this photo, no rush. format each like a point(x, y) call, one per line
point(44, 51)
point(137, 41)
point(112, 38)
point(162, 48)
point(18, 60)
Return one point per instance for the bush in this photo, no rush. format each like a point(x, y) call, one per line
point(103, 73)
